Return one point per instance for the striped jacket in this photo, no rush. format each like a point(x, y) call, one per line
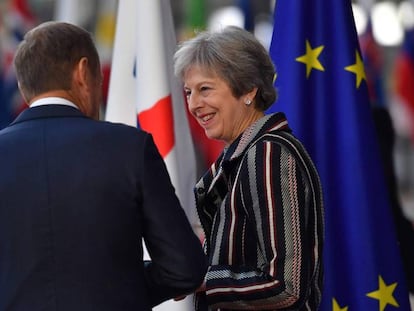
point(260, 206)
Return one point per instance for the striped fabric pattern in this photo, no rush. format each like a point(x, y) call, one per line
point(260, 205)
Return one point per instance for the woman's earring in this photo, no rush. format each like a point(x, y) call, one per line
point(248, 102)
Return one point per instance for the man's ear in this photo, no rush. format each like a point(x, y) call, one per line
point(81, 87)
point(22, 93)
point(80, 73)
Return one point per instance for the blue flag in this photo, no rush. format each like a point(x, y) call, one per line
point(322, 89)
point(246, 6)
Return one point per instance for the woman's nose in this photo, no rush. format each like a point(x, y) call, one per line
point(192, 101)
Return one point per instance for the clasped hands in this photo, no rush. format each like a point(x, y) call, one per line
point(202, 288)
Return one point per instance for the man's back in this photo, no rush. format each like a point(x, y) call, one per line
point(76, 198)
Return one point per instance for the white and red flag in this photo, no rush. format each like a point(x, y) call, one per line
point(143, 86)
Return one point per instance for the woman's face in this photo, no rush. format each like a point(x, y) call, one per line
point(211, 102)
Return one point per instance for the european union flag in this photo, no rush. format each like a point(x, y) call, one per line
point(322, 89)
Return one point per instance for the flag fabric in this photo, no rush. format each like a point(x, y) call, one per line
point(122, 102)
point(160, 98)
point(246, 6)
point(18, 20)
point(374, 65)
point(403, 77)
point(322, 89)
point(143, 85)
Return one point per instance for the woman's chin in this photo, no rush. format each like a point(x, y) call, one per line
point(210, 135)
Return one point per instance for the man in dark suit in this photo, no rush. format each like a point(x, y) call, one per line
point(78, 195)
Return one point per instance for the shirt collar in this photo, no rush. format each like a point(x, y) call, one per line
point(53, 101)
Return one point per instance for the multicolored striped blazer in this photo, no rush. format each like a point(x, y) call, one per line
point(260, 206)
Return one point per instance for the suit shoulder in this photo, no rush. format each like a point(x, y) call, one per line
point(122, 129)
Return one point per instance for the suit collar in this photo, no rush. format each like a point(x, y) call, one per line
point(48, 111)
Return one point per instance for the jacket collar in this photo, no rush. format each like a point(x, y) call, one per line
point(47, 111)
point(212, 188)
point(268, 123)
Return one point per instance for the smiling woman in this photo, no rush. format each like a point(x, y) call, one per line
point(260, 204)
point(211, 102)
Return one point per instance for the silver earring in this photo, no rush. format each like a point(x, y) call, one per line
point(248, 102)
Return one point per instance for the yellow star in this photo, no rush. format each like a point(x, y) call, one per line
point(384, 294)
point(311, 58)
point(336, 307)
point(357, 69)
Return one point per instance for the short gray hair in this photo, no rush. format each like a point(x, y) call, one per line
point(236, 56)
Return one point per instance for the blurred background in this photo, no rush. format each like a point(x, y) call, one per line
point(385, 30)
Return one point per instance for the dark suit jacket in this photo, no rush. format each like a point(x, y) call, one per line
point(76, 198)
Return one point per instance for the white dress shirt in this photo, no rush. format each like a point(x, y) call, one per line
point(53, 101)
